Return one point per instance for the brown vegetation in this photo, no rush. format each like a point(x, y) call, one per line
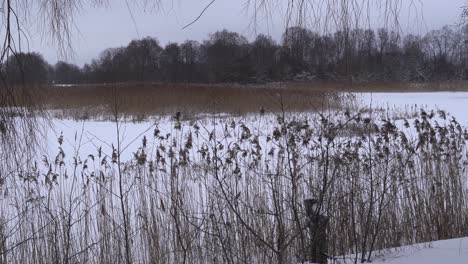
point(142, 99)
point(139, 100)
point(160, 98)
point(233, 192)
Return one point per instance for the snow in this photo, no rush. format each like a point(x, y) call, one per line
point(453, 251)
point(454, 103)
point(85, 137)
point(64, 85)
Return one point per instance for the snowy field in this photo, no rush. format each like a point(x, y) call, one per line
point(453, 251)
point(455, 103)
point(85, 137)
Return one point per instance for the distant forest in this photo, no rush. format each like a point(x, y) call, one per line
point(357, 55)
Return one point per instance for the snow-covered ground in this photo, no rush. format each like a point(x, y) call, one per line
point(85, 137)
point(453, 251)
point(454, 103)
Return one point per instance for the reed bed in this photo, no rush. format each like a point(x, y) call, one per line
point(142, 100)
point(225, 191)
point(147, 99)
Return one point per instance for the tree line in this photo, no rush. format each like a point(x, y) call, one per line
point(228, 57)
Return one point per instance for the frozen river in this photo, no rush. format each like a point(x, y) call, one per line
point(454, 103)
point(85, 137)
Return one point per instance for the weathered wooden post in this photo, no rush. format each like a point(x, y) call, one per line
point(318, 232)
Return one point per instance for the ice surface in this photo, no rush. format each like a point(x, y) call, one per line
point(85, 137)
point(453, 251)
point(455, 103)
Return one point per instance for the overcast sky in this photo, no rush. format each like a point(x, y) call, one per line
point(100, 28)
